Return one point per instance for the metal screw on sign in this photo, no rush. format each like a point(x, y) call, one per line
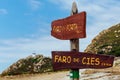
point(74, 73)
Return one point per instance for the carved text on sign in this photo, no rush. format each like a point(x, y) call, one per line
point(69, 27)
point(85, 60)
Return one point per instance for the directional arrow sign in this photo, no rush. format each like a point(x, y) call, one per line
point(69, 28)
point(79, 60)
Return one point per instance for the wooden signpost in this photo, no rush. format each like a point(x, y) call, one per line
point(72, 28)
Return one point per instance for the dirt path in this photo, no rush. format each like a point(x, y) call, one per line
point(89, 74)
point(46, 76)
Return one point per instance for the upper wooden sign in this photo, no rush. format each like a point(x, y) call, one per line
point(71, 27)
point(79, 60)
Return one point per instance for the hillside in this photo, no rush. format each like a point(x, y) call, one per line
point(31, 64)
point(112, 73)
point(107, 42)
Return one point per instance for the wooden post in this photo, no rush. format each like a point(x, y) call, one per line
point(74, 73)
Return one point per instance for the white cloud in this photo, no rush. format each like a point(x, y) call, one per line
point(39, 45)
point(100, 15)
point(14, 49)
point(97, 9)
point(3, 11)
point(63, 4)
point(35, 4)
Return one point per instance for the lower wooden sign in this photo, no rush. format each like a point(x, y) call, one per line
point(80, 60)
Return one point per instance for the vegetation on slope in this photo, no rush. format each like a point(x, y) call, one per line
point(107, 42)
point(31, 64)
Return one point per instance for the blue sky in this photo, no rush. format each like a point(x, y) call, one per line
point(25, 25)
